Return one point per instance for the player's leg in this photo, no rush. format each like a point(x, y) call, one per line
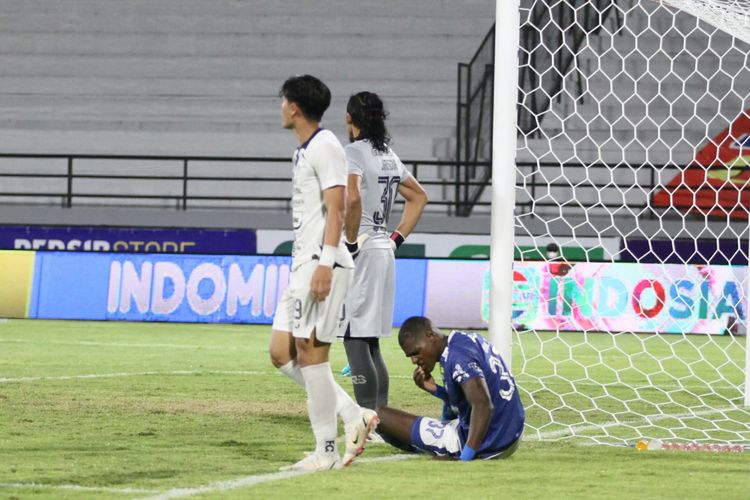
point(382, 372)
point(312, 356)
point(386, 326)
point(315, 327)
point(395, 427)
point(330, 320)
point(283, 353)
point(369, 306)
point(321, 391)
point(363, 371)
point(412, 433)
point(281, 348)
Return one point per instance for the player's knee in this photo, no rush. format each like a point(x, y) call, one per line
point(279, 357)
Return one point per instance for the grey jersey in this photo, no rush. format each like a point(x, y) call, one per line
point(381, 175)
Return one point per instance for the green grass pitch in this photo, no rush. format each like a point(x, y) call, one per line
point(137, 410)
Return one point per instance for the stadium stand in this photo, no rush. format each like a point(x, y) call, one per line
point(200, 78)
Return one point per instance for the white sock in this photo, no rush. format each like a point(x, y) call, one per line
point(346, 408)
point(291, 370)
point(321, 406)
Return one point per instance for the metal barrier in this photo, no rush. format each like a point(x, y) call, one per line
point(538, 185)
point(186, 171)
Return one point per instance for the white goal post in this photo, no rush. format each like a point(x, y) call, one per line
point(626, 122)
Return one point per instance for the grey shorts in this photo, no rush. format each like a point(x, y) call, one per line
point(369, 303)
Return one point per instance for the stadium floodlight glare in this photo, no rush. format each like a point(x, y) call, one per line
point(625, 123)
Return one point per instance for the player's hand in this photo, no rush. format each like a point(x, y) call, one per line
point(424, 380)
point(356, 246)
point(320, 285)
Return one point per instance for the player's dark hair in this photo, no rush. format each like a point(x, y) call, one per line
point(368, 115)
point(309, 93)
point(412, 327)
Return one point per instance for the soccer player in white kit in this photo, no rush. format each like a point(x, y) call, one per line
point(308, 314)
point(376, 174)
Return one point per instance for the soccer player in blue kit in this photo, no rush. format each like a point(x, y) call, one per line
point(478, 385)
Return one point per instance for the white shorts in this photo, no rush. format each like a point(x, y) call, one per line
point(441, 438)
point(369, 302)
point(433, 436)
point(299, 314)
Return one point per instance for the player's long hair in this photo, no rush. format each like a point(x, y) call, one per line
point(368, 115)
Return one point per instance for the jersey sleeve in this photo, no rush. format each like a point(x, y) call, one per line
point(464, 365)
point(355, 160)
point(329, 162)
point(403, 171)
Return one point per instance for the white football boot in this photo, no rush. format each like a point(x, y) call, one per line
point(315, 462)
point(357, 433)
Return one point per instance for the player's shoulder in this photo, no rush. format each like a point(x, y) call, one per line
point(322, 139)
point(462, 344)
point(358, 149)
point(463, 338)
point(358, 145)
point(390, 152)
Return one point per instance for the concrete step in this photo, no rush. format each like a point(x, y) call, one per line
point(96, 9)
point(250, 109)
point(250, 68)
point(180, 143)
point(126, 18)
point(207, 85)
point(446, 46)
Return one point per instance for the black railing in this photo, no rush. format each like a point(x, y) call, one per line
point(474, 122)
point(533, 192)
point(181, 193)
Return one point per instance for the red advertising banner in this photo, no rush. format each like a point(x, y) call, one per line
point(716, 181)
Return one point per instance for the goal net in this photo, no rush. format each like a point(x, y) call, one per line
point(631, 217)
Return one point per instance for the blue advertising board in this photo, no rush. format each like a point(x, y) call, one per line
point(129, 240)
point(732, 251)
point(181, 288)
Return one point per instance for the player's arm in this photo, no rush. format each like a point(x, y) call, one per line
point(416, 199)
point(320, 285)
point(353, 211)
point(478, 396)
point(427, 383)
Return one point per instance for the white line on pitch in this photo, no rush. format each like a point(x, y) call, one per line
point(76, 487)
point(576, 430)
point(126, 344)
point(244, 482)
point(275, 373)
point(134, 374)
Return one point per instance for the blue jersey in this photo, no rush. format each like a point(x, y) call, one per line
point(468, 355)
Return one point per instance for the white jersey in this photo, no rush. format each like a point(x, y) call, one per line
point(381, 175)
point(319, 164)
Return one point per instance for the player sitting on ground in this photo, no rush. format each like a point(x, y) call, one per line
point(477, 383)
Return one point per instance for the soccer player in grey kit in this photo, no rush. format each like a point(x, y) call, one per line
point(376, 174)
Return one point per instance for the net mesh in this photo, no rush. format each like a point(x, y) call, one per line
point(631, 220)
point(732, 16)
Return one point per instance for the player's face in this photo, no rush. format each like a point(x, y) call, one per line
point(421, 352)
point(287, 112)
